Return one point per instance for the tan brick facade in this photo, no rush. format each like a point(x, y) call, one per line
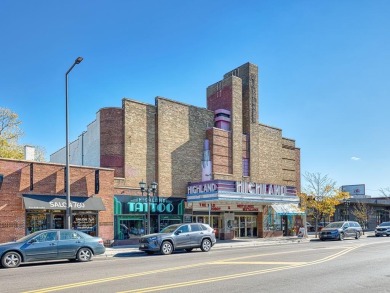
point(273, 159)
point(139, 142)
point(181, 132)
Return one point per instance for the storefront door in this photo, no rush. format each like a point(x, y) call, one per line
point(245, 226)
point(58, 221)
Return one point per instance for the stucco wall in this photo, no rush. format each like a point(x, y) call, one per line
point(85, 150)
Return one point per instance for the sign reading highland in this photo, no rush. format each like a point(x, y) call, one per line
point(218, 190)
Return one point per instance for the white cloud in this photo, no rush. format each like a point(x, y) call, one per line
point(355, 158)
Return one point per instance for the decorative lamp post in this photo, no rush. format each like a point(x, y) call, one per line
point(67, 173)
point(148, 190)
point(347, 203)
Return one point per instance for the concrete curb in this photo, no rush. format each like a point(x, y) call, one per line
point(120, 251)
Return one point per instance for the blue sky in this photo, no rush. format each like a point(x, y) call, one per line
point(324, 69)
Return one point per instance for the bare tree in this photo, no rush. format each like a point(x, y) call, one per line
point(362, 212)
point(385, 191)
point(40, 153)
point(318, 185)
point(320, 196)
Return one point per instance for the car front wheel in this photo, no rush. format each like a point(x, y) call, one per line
point(84, 254)
point(341, 236)
point(166, 248)
point(357, 235)
point(206, 245)
point(11, 260)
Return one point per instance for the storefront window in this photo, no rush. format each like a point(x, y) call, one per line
point(272, 221)
point(55, 219)
point(166, 220)
point(86, 223)
point(37, 221)
point(127, 227)
point(131, 214)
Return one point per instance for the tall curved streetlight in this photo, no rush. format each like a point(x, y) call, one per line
point(67, 173)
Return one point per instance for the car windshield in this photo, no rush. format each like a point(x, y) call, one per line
point(385, 224)
point(28, 237)
point(335, 225)
point(169, 229)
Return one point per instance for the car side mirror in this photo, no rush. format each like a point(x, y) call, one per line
point(32, 241)
point(178, 232)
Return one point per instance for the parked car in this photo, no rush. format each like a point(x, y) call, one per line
point(321, 225)
point(383, 229)
point(340, 230)
point(179, 236)
point(51, 244)
point(309, 227)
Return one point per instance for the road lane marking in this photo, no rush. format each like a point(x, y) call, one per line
point(236, 276)
point(258, 263)
point(219, 262)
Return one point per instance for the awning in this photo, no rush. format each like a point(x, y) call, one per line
point(287, 209)
point(57, 202)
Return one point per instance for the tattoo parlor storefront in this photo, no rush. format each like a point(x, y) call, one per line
point(130, 214)
point(244, 209)
point(49, 212)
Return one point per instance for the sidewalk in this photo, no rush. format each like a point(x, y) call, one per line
point(121, 251)
point(221, 244)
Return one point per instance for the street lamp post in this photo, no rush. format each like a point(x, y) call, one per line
point(347, 202)
point(67, 172)
point(148, 190)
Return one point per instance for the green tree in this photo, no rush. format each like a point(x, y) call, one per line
point(320, 197)
point(10, 133)
point(10, 150)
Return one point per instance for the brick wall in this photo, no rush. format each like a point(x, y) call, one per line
point(140, 142)
point(181, 133)
point(248, 73)
point(111, 140)
point(48, 179)
point(220, 151)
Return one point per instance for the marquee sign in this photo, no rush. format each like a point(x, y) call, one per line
point(239, 187)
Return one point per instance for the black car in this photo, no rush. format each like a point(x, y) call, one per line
point(341, 230)
point(179, 236)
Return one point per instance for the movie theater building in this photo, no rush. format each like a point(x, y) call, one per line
point(217, 165)
point(32, 198)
